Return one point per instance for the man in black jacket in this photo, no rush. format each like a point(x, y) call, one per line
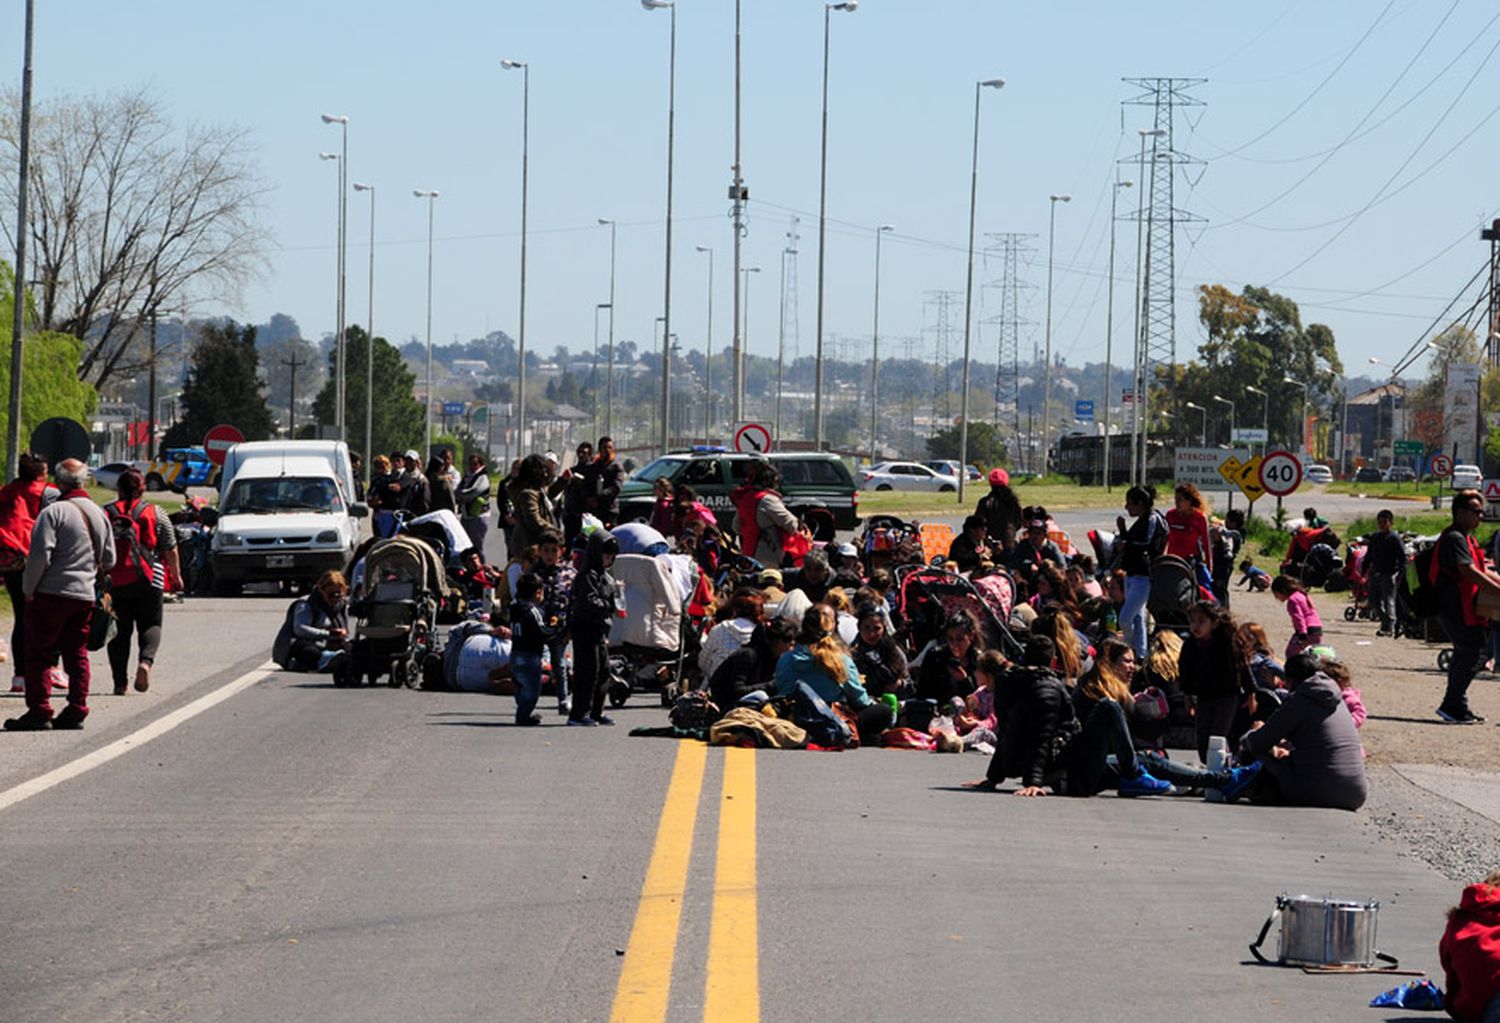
point(1035, 718)
point(1385, 560)
point(602, 480)
point(593, 610)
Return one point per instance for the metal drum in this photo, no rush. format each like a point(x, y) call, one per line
point(1327, 932)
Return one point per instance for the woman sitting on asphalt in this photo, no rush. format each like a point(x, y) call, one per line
point(821, 663)
point(948, 669)
point(752, 667)
point(1309, 747)
point(878, 656)
point(746, 610)
point(315, 633)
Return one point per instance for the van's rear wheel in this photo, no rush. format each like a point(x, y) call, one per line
point(155, 483)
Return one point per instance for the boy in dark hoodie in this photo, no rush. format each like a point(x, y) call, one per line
point(1470, 954)
point(529, 634)
point(592, 610)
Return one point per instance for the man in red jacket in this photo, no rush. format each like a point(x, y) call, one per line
point(1470, 953)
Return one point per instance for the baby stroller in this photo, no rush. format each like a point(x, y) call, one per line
point(1174, 589)
point(396, 620)
point(886, 542)
point(1320, 567)
point(928, 596)
point(649, 646)
point(1359, 606)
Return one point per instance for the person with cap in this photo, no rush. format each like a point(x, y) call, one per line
point(770, 583)
point(971, 546)
point(1035, 549)
point(843, 559)
point(1001, 510)
point(411, 485)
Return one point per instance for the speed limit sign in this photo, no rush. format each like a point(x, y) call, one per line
point(1280, 473)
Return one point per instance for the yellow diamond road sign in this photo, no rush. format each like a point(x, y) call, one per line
point(1245, 475)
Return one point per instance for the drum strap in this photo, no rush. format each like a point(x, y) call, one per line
point(1391, 962)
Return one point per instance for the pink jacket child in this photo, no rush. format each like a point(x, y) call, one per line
point(1307, 627)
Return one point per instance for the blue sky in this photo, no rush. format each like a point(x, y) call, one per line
point(431, 108)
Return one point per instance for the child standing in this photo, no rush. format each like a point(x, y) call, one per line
point(528, 636)
point(557, 575)
point(1470, 953)
point(590, 613)
point(1307, 627)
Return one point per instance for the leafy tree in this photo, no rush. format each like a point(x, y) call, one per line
point(986, 446)
point(398, 419)
point(223, 386)
point(49, 386)
point(1255, 339)
point(496, 391)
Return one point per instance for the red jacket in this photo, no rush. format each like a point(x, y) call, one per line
point(1187, 536)
point(20, 503)
point(1470, 953)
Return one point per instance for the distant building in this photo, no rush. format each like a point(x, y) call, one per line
point(1375, 418)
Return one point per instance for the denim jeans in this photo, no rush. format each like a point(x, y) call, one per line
point(557, 651)
point(1383, 597)
point(1133, 613)
point(526, 670)
point(1102, 753)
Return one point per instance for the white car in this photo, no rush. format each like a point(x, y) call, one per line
point(1467, 477)
point(905, 476)
point(108, 476)
point(1318, 474)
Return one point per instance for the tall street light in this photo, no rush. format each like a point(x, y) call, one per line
point(1047, 368)
point(666, 306)
point(666, 373)
point(776, 438)
point(1142, 385)
point(1203, 423)
point(609, 384)
point(1265, 415)
point(1109, 330)
point(1226, 401)
point(18, 310)
point(1302, 426)
point(370, 343)
point(597, 309)
point(708, 363)
point(875, 352)
point(338, 288)
point(738, 193)
point(525, 69)
point(745, 272)
point(431, 197)
point(963, 414)
point(340, 352)
point(828, 9)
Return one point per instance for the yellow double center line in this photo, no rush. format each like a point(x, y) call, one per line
point(733, 987)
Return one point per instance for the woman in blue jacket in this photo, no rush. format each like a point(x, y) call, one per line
point(820, 666)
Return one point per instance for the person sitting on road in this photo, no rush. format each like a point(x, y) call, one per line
point(752, 667)
point(746, 610)
point(1034, 719)
point(1035, 550)
point(971, 546)
point(1470, 954)
point(820, 666)
point(1212, 675)
point(314, 635)
point(814, 577)
point(1055, 592)
point(1309, 747)
point(948, 669)
point(878, 656)
point(1074, 658)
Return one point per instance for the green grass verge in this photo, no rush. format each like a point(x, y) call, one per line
point(168, 500)
point(1410, 491)
point(1055, 493)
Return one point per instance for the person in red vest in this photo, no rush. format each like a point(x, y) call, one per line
point(145, 560)
point(21, 500)
point(769, 533)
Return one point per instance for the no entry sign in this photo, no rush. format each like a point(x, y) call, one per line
point(218, 441)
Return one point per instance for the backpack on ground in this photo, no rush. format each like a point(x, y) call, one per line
point(135, 544)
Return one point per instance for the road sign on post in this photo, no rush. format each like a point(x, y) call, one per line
point(1409, 449)
point(454, 408)
point(752, 439)
point(218, 441)
point(1245, 475)
point(1251, 435)
point(1280, 473)
point(1200, 466)
point(1442, 466)
point(1083, 410)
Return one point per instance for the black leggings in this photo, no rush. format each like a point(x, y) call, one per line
point(138, 607)
point(590, 674)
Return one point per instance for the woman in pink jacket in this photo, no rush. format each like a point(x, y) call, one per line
point(1307, 627)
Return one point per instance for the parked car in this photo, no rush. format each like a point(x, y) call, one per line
point(906, 476)
point(180, 468)
point(816, 486)
point(1318, 474)
point(1466, 476)
point(108, 476)
point(1401, 474)
point(1368, 474)
point(949, 467)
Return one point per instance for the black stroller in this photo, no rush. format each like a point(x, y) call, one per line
point(1174, 589)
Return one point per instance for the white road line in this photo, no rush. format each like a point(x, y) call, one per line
point(155, 730)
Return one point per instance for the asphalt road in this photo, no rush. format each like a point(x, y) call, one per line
point(301, 852)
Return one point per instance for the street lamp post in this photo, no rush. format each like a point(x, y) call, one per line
point(597, 308)
point(1047, 369)
point(745, 272)
point(1302, 425)
point(963, 412)
point(340, 350)
point(18, 310)
point(609, 373)
point(338, 283)
point(370, 343)
point(708, 363)
point(1109, 330)
point(1265, 415)
point(1226, 401)
point(1203, 423)
point(666, 383)
point(875, 352)
point(431, 198)
point(666, 374)
point(828, 9)
point(780, 354)
point(525, 69)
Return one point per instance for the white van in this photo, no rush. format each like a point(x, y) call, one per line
point(334, 452)
point(282, 518)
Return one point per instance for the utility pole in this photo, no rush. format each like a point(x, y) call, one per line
point(18, 314)
point(738, 194)
point(151, 390)
point(291, 401)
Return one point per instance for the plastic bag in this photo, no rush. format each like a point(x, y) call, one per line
point(1414, 994)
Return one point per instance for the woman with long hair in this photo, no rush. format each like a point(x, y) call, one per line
point(1187, 527)
point(20, 501)
point(820, 666)
point(948, 669)
point(1137, 547)
point(1073, 659)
